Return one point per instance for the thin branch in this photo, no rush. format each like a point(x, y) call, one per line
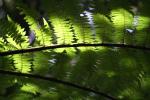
point(58, 82)
point(73, 45)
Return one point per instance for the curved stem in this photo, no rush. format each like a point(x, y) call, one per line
point(52, 79)
point(72, 45)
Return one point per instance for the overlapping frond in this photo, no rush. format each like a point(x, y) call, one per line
point(85, 50)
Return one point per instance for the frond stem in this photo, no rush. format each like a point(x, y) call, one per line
point(52, 79)
point(73, 45)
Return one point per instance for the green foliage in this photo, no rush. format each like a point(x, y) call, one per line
point(120, 72)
